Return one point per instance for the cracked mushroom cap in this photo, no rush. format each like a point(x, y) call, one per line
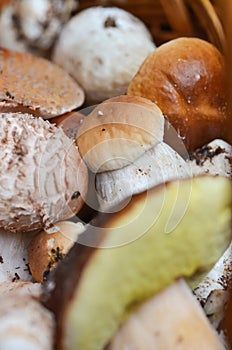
point(35, 85)
point(42, 176)
point(118, 131)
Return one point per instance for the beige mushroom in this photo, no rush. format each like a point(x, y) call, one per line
point(43, 178)
point(33, 26)
point(25, 323)
point(118, 131)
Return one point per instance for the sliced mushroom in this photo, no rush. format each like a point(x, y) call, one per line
point(129, 256)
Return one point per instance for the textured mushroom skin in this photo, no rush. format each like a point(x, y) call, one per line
point(42, 177)
point(34, 83)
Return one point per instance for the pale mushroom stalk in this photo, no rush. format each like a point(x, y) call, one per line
point(13, 256)
point(213, 159)
point(25, 323)
point(158, 165)
point(173, 319)
point(212, 292)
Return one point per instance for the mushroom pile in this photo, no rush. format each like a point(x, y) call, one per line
point(43, 183)
point(149, 257)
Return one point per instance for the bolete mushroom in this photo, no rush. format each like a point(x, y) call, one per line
point(185, 77)
point(125, 258)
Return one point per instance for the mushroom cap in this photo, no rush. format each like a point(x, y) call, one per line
point(104, 56)
point(118, 131)
point(49, 247)
point(185, 77)
point(33, 26)
point(36, 85)
point(42, 176)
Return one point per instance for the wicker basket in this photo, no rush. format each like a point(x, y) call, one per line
point(169, 19)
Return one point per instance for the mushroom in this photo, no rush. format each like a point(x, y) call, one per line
point(185, 77)
point(213, 158)
point(157, 165)
point(104, 56)
point(25, 323)
point(35, 85)
point(33, 26)
point(172, 319)
point(14, 256)
point(43, 178)
point(213, 290)
point(121, 141)
point(118, 131)
point(127, 257)
point(49, 247)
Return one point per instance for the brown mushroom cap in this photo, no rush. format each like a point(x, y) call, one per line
point(185, 77)
point(36, 85)
point(118, 131)
point(48, 248)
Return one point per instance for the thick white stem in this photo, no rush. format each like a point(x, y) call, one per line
point(158, 165)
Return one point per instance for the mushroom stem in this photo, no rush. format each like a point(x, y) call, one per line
point(25, 323)
point(158, 165)
point(173, 319)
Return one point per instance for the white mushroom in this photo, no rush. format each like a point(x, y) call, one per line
point(43, 179)
point(158, 165)
point(212, 159)
point(33, 25)
point(25, 323)
point(104, 56)
point(14, 256)
point(213, 290)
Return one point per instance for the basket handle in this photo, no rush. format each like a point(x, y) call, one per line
point(178, 15)
point(210, 21)
point(174, 8)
